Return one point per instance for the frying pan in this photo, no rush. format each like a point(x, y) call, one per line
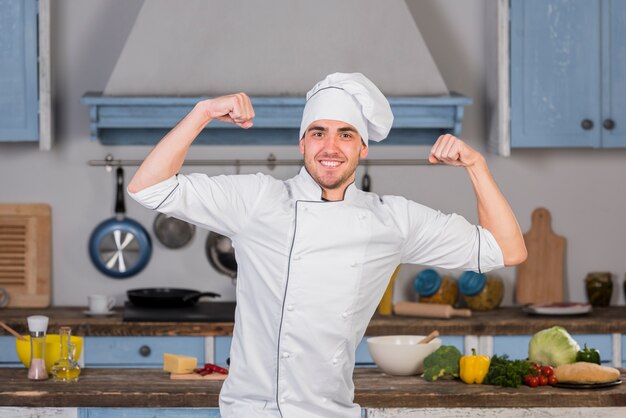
point(221, 254)
point(120, 247)
point(171, 232)
point(166, 297)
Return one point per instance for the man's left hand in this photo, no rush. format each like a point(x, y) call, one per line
point(451, 150)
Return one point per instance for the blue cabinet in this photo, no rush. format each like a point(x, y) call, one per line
point(18, 71)
point(516, 346)
point(139, 351)
point(567, 61)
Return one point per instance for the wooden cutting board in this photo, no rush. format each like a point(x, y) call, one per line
point(196, 376)
point(540, 278)
point(25, 235)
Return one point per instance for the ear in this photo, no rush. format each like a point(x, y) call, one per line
point(364, 151)
point(301, 146)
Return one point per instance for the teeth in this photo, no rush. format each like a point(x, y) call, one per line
point(329, 163)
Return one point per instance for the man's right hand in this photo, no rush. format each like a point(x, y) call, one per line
point(235, 108)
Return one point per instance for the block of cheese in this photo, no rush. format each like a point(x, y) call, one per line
point(175, 363)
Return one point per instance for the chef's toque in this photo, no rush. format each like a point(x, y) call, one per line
point(350, 98)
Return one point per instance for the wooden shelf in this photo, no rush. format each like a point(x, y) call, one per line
point(126, 120)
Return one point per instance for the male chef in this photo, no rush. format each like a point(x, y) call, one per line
point(315, 253)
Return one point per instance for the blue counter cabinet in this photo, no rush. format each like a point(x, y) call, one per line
point(155, 413)
point(139, 351)
point(516, 346)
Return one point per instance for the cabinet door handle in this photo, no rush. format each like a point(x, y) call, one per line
point(145, 351)
point(608, 124)
point(586, 124)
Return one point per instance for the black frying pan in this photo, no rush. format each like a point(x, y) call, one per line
point(120, 247)
point(166, 297)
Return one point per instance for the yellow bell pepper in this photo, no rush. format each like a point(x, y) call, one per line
point(474, 368)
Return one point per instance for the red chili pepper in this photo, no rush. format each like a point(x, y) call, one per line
point(215, 368)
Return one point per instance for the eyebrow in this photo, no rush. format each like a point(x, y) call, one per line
point(323, 129)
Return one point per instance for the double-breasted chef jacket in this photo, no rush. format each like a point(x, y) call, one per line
point(310, 276)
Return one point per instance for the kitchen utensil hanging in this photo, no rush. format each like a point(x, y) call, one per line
point(120, 247)
point(172, 232)
point(166, 297)
point(221, 255)
point(366, 182)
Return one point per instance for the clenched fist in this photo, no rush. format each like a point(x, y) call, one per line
point(450, 150)
point(235, 108)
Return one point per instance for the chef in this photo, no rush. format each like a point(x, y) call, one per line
point(315, 253)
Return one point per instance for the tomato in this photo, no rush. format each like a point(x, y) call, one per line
point(547, 371)
point(542, 380)
point(533, 381)
point(527, 378)
point(552, 380)
point(537, 367)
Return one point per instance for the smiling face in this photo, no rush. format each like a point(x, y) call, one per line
point(332, 150)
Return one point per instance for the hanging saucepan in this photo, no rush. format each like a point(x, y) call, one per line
point(172, 232)
point(221, 254)
point(166, 297)
point(120, 247)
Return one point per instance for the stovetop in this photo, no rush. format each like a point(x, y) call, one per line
point(200, 312)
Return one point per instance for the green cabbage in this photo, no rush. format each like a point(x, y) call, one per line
point(553, 346)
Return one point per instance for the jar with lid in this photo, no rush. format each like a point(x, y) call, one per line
point(37, 326)
point(599, 287)
point(481, 292)
point(431, 287)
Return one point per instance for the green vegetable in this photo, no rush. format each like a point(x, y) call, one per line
point(442, 363)
point(553, 346)
point(507, 373)
point(589, 355)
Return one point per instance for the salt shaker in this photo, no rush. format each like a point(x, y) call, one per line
point(37, 325)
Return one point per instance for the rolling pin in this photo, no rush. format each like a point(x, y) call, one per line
point(428, 310)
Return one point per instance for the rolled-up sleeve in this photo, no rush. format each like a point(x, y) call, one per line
point(448, 241)
point(221, 203)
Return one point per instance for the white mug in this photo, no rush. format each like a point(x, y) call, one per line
point(101, 303)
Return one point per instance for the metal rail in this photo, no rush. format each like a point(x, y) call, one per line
point(270, 162)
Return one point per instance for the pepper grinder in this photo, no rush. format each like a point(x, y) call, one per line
point(37, 325)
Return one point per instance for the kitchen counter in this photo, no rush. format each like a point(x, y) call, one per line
point(503, 321)
point(152, 388)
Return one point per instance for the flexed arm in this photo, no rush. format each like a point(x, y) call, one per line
point(494, 212)
point(168, 155)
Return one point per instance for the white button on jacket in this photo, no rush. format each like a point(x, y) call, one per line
point(285, 362)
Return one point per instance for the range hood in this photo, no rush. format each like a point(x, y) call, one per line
point(181, 52)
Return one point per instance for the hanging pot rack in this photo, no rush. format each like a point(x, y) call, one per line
point(271, 162)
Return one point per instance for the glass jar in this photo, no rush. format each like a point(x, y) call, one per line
point(66, 369)
point(481, 292)
point(599, 287)
point(431, 287)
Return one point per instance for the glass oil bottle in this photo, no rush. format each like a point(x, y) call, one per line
point(66, 369)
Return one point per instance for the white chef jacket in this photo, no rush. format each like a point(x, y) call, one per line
point(310, 276)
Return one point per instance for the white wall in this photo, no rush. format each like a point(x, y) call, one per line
point(582, 188)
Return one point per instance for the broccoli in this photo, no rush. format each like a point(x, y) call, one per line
point(443, 362)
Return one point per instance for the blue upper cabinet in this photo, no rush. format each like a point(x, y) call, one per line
point(614, 75)
point(567, 60)
point(18, 71)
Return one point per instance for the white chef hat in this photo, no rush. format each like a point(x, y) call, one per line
point(350, 98)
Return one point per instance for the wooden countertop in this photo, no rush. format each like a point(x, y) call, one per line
point(503, 321)
point(152, 388)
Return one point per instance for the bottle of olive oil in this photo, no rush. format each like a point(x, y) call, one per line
point(66, 369)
